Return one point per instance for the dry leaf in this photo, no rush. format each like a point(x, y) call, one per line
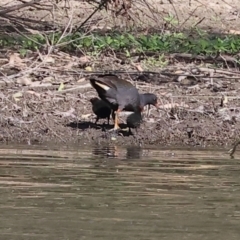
point(48, 79)
point(17, 96)
point(88, 69)
point(225, 99)
point(84, 59)
point(180, 78)
point(234, 32)
point(35, 83)
point(40, 84)
point(48, 59)
point(138, 67)
point(86, 116)
point(179, 72)
point(25, 81)
point(164, 93)
point(81, 80)
point(34, 93)
point(15, 60)
point(61, 87)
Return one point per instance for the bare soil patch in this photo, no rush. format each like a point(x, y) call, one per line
point(49, 101)
point(216, 16)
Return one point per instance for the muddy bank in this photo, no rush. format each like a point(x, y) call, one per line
point(195, 111)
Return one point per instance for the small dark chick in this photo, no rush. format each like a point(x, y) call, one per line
point(134, 121)
point(101, 109)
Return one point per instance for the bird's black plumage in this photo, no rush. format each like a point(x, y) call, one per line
point(148, 99)
point(101, 109)
point(120, 95)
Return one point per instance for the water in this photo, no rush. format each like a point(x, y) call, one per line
point(118, 193)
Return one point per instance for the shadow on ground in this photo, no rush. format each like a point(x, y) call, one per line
point(104, 127)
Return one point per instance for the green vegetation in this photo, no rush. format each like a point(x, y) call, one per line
point(199, 43)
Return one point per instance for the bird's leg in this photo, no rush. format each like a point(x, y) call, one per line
point(148, 110)
point(96, 120)
point(116, 126)
point(115, 119)
point(113, 116)
point(130, 131)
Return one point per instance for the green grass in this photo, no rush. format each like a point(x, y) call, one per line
point(130, 44)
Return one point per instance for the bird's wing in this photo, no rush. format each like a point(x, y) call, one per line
point(110, 81)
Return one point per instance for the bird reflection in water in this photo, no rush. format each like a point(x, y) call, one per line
point(113, 151)
point(107, 151)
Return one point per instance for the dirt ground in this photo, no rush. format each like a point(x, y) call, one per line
point(200, 109)
point(215, 15)
point(46, 97)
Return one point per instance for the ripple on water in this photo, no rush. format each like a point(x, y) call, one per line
point(111, 192)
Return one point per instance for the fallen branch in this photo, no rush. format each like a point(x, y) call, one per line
point(18, 7)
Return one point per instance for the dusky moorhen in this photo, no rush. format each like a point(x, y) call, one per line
point(120, 95)
point(101, 109)
point(134, 120)
point(148, 99)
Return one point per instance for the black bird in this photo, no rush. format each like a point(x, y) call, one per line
point(120, 95)
point(101, 109)
point(134, 121)
point(148, 99)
